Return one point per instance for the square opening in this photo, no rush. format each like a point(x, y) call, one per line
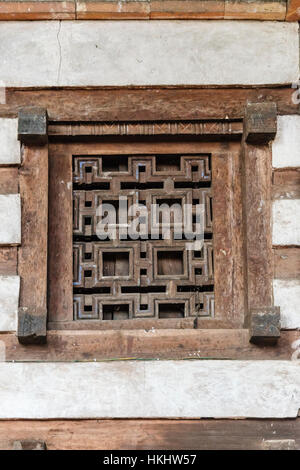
point(115, 312)
point(115, 264)
point(171, 310)
point(114, 163)
point(169, 263)
point(167, 162)
point(143, 272)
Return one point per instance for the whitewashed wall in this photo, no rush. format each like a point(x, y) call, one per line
point(148, 53)
point(150, 389)
point(286, 218)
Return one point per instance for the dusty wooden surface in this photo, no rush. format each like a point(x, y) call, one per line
point(8, 260)
point(9, 183)
point(87, 345)
point(135, 104)
point(135, 434)
point(286, 262)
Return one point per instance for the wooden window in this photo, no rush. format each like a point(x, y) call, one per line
point(140, 284)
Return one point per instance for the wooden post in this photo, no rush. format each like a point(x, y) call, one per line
point(32, 259)
point(260, 125)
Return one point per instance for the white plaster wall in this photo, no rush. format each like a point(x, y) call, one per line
point(9, 145)
point(142, 52)
point(10, 219)
point(166, 389)
point(286, 222)
point(287, 296)
point(9, 302)
point(286, 146)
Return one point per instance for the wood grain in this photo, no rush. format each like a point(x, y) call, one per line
point(87, 345)
point(257, 209)
point(293, 10)
point(286, 263)
point(150, 434)
point(147, 103)
point(37, 10)
point(60, 234)
point(286, 183)
point(8, 260)
point(32, 257)
point(9, 181)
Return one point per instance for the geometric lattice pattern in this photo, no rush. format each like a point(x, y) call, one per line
point(124, 279)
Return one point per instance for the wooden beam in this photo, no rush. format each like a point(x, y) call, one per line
point(37, 10)
point(149, 434)
point(293, 10)
point(32, 126)
point(32, 259)
point(93, 345)
point(259, 129)
point(146, 103)
point(286, 262)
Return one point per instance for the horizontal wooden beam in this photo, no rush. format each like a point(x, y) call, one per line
point(286, 183)
point(148, 10)
point(293, 10)
point(286, 262)
point(146, 103)
point(148, 434)
point(139, 344)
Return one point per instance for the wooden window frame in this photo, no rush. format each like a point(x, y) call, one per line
point(242, 169)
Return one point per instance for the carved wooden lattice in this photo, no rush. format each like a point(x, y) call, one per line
point(122, 279)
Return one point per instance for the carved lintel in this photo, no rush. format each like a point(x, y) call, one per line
point(29, 445)
point(260, 122)
point(32, 326)
point(265, 325)
point(33, 126)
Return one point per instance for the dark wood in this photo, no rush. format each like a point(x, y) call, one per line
point(29, 445)
point(32, 327)
point(257, 170)
point(32, 126)
point(150, 434)
point(146, 103)
point(32, 255)
point(265, 325)
point(9, 181)
point(260, 122)
point(90, 345)
point(8, 260)
point(286, 263)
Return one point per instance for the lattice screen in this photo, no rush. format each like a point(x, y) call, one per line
point(122, 279)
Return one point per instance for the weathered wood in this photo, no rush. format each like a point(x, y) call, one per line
point(255, 10)
point(260, 123)
point(187, 9)
point(8, 260)
point(146, 103)
point(32, 259)
point(32, 126)
point(37, 10)
point(9, 181)
point(293, 10)
point(32, 326)
point(257, 168)
point(286, 263)
point(227, 233)
point(286, 183)
point(265, 325)
point(60, 227)
point(87, 345)
point(149, 434)
point(29, 445)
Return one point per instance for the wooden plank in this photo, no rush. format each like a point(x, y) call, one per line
point(186, 9)
point(9, 181)
point(149, 434)
point(293, 10)
point(257, 208)
point(255, 10)
point(228, 258)
point(286, 183)
point(32, 257)
point(109, 10)
point(140, 344)
point(286, 263)
point(8, 260)
point(134, 104)
point(60, 227)
point(37, 10)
